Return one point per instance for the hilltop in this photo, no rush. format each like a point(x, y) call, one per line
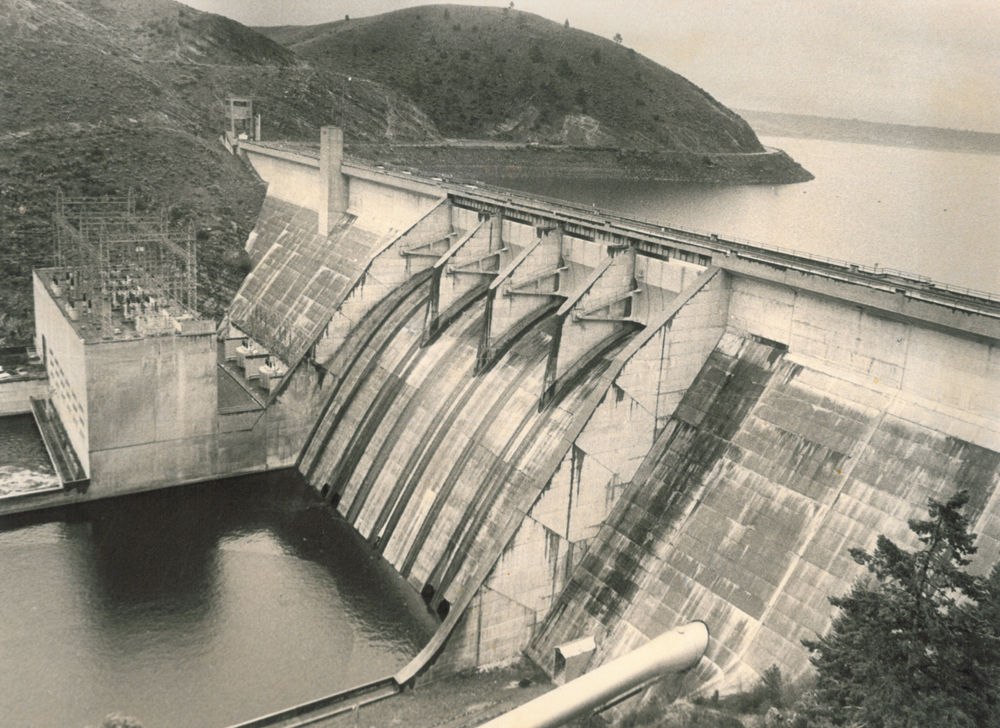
point(539, 97)
point(499, 73)
point(89, 61)
point(99, 96)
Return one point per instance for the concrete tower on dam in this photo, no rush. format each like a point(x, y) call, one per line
point(562, 426)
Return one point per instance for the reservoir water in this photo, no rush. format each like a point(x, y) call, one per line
point(929, 212)
point(199, 606)
point(210, 604)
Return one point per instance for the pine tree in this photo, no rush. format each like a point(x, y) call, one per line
point(916, 641)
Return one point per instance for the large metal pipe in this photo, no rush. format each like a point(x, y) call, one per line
point(672, 651)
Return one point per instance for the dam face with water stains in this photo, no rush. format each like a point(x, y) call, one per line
point(559, 424)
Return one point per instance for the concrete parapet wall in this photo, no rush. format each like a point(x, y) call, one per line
point(289, 177)
point(381, 207)
point(294, 176)
point(958, 371)
point(896, 300)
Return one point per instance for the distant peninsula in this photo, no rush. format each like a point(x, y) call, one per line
point(770, 123)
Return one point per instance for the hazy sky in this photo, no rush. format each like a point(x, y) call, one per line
point(933, 62)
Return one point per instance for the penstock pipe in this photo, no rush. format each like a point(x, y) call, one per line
point(672, 651)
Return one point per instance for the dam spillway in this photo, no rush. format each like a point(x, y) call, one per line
point(422, 447)
point(559, 424)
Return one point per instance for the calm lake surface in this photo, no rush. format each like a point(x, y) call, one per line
point(929, 212)
point(207, 605)
point(197, 606)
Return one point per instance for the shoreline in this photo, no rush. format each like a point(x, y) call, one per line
point(496, 160)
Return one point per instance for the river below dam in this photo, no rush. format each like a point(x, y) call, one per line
point(210, 604)
point(199, 606)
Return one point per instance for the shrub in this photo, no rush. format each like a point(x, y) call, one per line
point(117, 720)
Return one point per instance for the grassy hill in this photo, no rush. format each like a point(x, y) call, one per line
point(509, 75)
point(99, 96)
point(166, 30)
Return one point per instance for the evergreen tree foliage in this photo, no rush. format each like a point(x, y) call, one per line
point(917, 640)
point(117, 720)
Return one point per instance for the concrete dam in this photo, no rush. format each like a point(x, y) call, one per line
point(560, 424)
